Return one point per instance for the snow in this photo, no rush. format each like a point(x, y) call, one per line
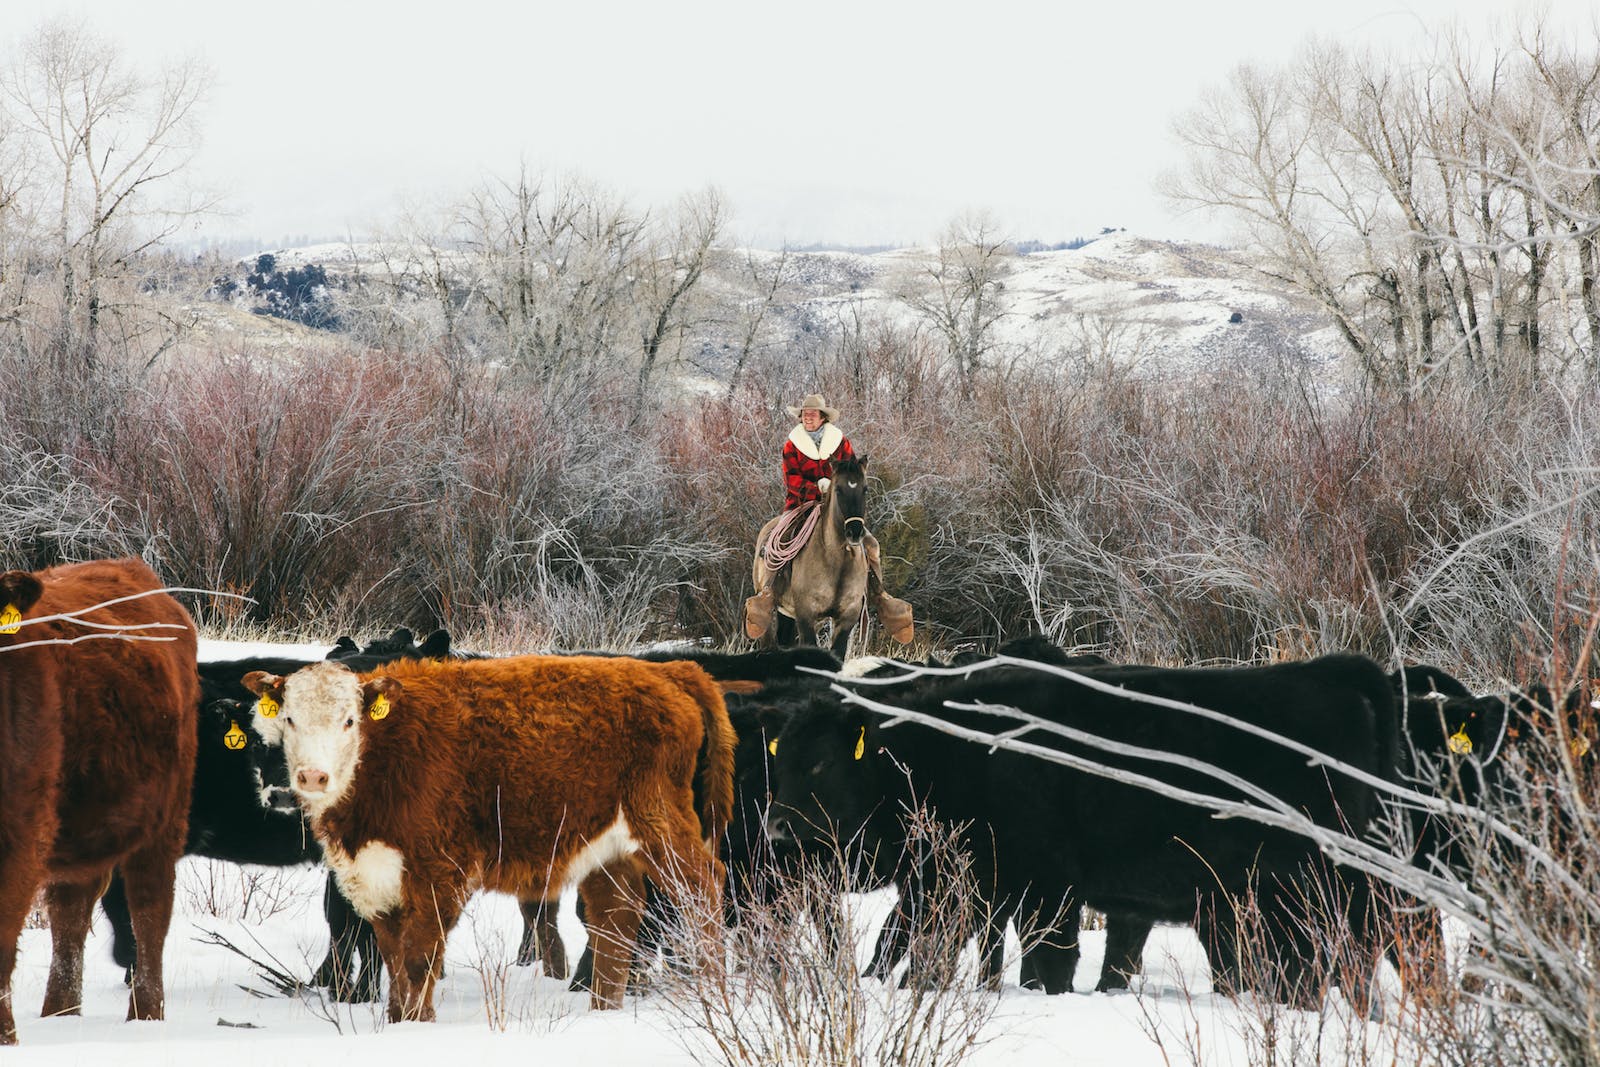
point(213, 1018)
point(1162, 307)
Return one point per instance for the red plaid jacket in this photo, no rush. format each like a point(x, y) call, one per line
point(804, 462)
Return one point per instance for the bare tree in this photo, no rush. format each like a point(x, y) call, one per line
point(766, 278)
point(1440, 211)
point(666, 275)
point(112, 139)
point(959, 292)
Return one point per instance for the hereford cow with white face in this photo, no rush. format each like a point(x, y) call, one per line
point(425, 781)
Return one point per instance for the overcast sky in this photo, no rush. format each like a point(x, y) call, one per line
point(857, 122)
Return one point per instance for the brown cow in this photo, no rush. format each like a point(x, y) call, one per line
point(427, 780)
point(97, 744)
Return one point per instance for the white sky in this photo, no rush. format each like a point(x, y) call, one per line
point(853, 122)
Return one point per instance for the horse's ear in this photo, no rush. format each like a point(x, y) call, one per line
point(862, 459)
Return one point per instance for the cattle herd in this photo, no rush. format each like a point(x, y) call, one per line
point(680, 784)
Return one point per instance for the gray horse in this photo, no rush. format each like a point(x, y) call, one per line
point(827, 579)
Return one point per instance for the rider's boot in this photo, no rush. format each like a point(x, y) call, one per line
point(758, 612)
point(895, 614)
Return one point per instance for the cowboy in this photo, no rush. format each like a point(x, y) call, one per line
point(812, 448)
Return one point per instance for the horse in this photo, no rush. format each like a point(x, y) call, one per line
point(827, 579)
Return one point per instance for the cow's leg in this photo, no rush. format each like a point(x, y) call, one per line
point(20, 869)
point(425, 928)
point(148, 875)
point(541, 939)
point(388, 930)
point(691, 880)
point(1125, 938)
point(1417, 952)
point(654, 924)
point(612, 898)
point(841, 637)
point(893, 939)
point(71, 906)
point(1049, 931)
point(583, 973)
point(333, 972)
point(992, 942)
point(123, 947)
point(368, 980)
point(827, 917)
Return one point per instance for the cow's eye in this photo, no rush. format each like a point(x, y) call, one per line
point(349, 723)
point(288, 721)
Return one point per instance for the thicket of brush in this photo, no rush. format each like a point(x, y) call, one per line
point(1226, 517)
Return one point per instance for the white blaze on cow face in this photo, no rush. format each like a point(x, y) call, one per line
point(321, 724)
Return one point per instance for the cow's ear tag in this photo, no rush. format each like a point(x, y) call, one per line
point(1460, 743)
point(861, 743)
point(235, 738)
point(772, 747)
point(1580, 746)
point(379, 708)
point(267, 707)
point(10, 620)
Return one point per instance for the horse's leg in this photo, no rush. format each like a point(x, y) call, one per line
point(841, 637)
point(806, 631)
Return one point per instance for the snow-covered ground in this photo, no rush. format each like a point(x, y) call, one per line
point(213, 1017)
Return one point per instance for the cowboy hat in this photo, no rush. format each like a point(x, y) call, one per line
point(814, 400)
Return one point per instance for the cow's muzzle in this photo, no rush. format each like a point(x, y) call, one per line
point(310, 780)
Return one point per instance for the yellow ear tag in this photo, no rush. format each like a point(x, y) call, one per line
point(861, 743)
point(1460, 743)
point(10, 620)
point(1580, 747)
point(267, 707)
point(772, 747)
point(379, 707)
point(235, 738)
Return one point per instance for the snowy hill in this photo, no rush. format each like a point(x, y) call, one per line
point(1166, 308)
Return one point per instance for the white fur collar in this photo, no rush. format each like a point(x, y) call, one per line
point(831, 436)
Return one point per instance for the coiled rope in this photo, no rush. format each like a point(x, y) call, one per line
point(790, 535)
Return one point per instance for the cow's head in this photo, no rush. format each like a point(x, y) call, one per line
point(832, 783)
point(1535, 716)
point(849, 491)
point(316, 715)
point(19, 591)
point(225, 720)
point(1457, 726)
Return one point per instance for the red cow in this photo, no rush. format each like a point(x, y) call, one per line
point(97, 742)
point(428, 780)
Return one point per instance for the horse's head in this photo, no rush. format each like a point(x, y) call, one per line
point(849, 492)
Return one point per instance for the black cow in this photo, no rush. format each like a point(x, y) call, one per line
point(1125, 932)
point(238, 812)
point(1037, 826)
